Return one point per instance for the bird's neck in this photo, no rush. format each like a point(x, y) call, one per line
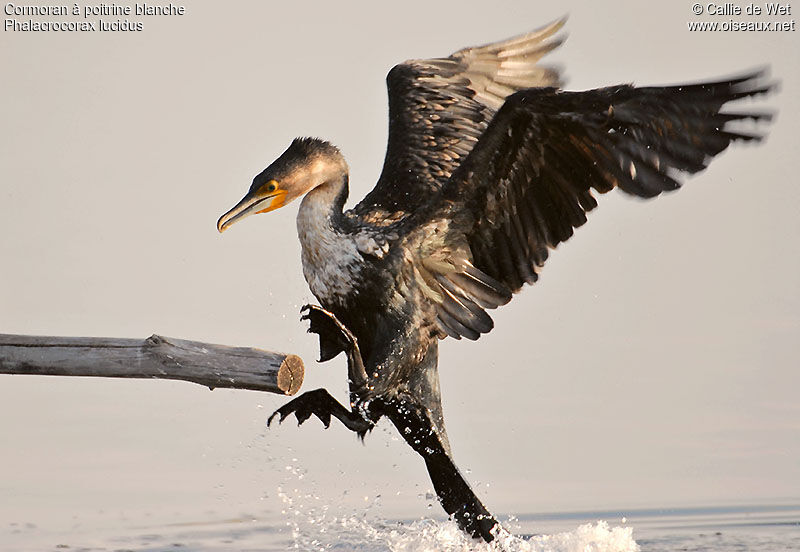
point(323, 205)
point(330, 257)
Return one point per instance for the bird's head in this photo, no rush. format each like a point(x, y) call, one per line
point(306, 164)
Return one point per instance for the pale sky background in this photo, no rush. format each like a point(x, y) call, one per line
point(655, 364)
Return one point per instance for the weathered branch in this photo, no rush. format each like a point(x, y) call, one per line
point(155, 357)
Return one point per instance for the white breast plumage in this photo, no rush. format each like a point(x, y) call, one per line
point(332, 260)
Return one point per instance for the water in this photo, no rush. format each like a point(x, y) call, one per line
point(308, 524)
point(764, 528)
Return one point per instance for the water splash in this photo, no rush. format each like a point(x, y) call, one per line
point(361, 534)
point(316, 525)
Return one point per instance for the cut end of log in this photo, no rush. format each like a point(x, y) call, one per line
point(290, 374)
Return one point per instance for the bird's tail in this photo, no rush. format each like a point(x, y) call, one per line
point(417, 414)
point(415, 424)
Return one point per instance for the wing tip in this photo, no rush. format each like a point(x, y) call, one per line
point(536, 36)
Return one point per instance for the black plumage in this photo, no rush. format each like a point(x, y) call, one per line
point(489, 166)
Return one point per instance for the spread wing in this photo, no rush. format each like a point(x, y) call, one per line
point(528, 182)
point(438, 108)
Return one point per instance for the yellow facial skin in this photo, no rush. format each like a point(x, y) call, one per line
point(268, 197)
point(278, 195)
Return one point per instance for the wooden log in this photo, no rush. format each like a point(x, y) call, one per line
point(155, 357)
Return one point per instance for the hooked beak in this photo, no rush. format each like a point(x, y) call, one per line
point(254, 202)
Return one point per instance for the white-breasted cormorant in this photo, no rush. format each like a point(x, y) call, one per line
point(489, 165)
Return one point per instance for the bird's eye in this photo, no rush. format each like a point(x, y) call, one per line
point(271, 187)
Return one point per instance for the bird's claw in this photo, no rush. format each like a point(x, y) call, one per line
point(321, 404)
point(316, 313)
point(334, 336)
point(303, 407)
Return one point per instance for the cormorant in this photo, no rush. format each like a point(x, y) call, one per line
point(489, 165)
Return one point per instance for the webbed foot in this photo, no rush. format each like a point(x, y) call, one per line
point(335, 337)
point(321, 404)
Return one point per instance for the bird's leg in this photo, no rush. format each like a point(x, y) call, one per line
point(321, 404)
point(455, 495)
point(335, 337)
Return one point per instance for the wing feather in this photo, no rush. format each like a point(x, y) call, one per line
point(439, 108)
point(528, 182)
